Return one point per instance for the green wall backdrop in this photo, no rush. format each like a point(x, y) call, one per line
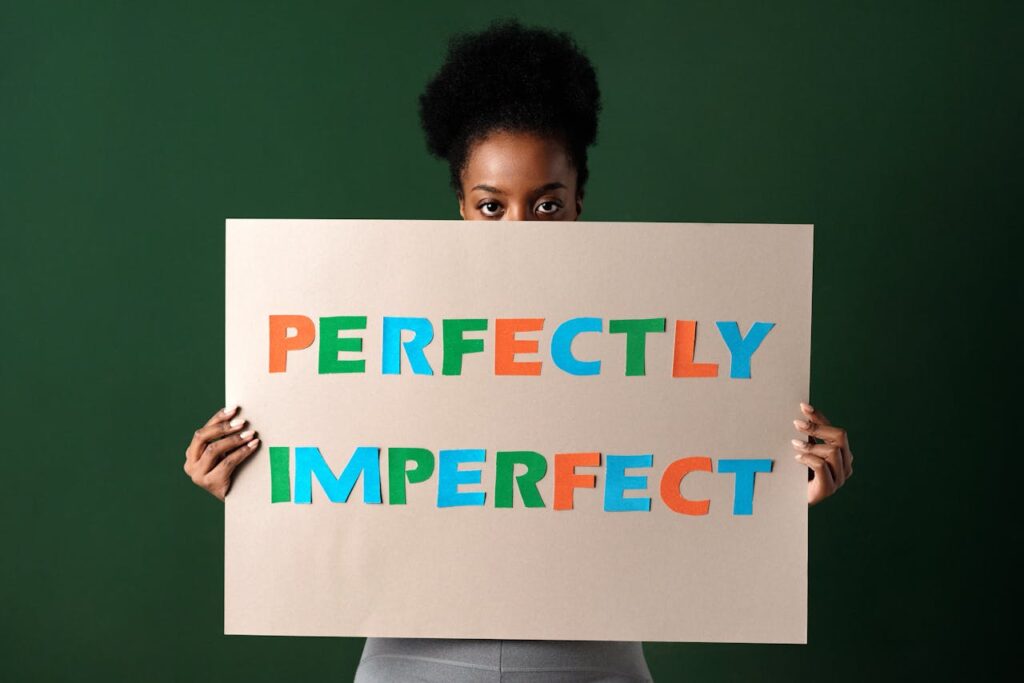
point(130, 131)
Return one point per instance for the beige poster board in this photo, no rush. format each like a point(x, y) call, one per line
point(481, 571)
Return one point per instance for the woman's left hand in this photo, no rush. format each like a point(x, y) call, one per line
point(831, 462)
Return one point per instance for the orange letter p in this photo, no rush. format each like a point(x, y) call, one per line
point(281, 343)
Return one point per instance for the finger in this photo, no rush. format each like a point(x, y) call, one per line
point(814, 414)
point(827, 433)
point(217, 449)
point(822, 485)
point(227, 465)
point(848, 461)
point(221, 415)
point(832, 455)
point(204, 435)
point(194, 448)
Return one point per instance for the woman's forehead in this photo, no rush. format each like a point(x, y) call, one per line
point(517, 162)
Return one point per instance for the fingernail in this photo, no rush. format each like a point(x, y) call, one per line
point(230, 409)
point(252, 444)
point(246, 434)
point(798, 456)
point(807, 406)
point(800, 424)
point(237, 422)
point(798, 443)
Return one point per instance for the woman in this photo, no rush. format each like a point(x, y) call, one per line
point(513, 111)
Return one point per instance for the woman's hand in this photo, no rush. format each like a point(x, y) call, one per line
point(217, 448)
point(831, 462)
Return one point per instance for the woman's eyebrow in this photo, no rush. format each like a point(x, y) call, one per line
point(542, 188)
point(549, 186)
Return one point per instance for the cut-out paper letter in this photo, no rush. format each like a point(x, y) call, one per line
point(743, 498)
point(280, 484)
point(455, 346)
point(672, 479)
point(281, 343)
point(566, 479)
point(391, 351)
point(397, 472)
point(561, 346)
point(506, 346)
point(636, 340)
point(331, 343)
point(742, 348)
point(536, 467)
point(682, 359)
point(450, 477)
point(617, 482)
point(310, 462)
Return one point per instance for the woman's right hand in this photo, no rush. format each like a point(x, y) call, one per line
point(217, 448)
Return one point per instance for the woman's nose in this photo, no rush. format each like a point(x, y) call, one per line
point(517, 212)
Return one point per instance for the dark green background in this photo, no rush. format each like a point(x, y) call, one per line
point(130, 131)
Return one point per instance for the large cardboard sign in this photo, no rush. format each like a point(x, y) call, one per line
point(572, 430)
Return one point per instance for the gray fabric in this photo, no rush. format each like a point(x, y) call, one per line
point(436, 660)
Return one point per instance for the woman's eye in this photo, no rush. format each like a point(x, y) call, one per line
point(490, 212)
point(553, 207)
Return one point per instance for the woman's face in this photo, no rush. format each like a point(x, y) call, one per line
point(519, 177)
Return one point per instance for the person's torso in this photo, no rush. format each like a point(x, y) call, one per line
point(501, 661)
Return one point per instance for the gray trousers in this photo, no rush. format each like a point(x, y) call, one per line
point(435, 660)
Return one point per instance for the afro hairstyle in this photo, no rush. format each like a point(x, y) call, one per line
point(515, 78)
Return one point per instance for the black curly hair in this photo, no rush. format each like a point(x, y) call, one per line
point(513, 78)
